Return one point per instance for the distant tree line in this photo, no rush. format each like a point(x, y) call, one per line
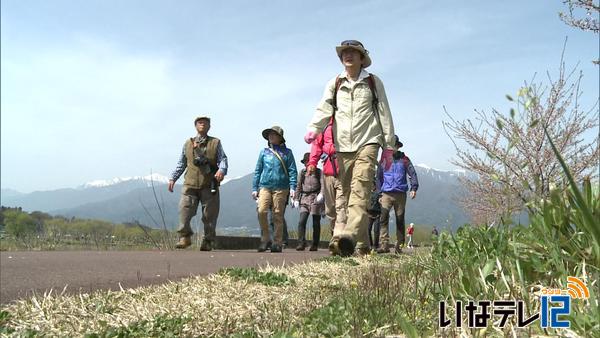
point(39, 230)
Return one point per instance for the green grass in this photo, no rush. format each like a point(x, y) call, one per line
point(161, 326)
point(253, 275)
point(374, 304)
point(338, 259)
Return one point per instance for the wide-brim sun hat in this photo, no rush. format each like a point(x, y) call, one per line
point(305, 158)
point(201, 118)
point(277, 129)
point(354, 44)
point(398, 143)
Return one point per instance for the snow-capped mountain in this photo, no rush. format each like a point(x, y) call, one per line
point(438, 174)
point(148, 180)
point(124, 199)
point(454, 171)
point(91, 192)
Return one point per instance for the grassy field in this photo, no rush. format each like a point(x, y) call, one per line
point(324, 297)
point(374, 296)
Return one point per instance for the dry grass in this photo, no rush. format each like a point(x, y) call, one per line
point(216, 305)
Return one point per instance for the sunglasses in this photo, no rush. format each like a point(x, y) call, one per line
point(351, 43)
point(354, 43)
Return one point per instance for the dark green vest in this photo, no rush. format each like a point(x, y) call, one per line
point(199, 177)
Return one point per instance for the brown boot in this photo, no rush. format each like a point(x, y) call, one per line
point(334, 248)
point(383, 248)
point(301, 246)
point(184, 242)
point(361, 252)
point(346, 246)
point(205, 245)
point(398, 248)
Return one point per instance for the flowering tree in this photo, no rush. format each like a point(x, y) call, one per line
point(510, 155)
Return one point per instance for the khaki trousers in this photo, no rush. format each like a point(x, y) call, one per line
point(389, 200)
point(188, 206)
point(335, 203)
point(275, 200)
point(357, 171)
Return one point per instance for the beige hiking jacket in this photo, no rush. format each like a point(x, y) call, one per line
point(355, 123)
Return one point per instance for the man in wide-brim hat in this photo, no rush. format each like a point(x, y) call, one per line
point(362, 123)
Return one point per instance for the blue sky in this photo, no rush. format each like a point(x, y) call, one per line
point(101, 89)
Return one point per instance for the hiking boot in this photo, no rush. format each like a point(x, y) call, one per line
point(334, 248)
point(398, 249)
point(301, 246)
point(361, 252)
point(314, 247)
point(346, 245)
point(383, 249)
point(184, 242)
point(276, 248)
point(263, 246)
point(206, 245)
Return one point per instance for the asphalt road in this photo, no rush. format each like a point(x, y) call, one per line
point(23, 273)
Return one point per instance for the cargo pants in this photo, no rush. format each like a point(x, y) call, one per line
point(389, 200)
point(357, 170)
point(335, 203)
point(191, 198)
point(274, 200)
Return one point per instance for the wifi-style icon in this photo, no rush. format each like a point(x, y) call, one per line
point(577, 288)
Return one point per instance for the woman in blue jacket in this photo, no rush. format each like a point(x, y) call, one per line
point(274, 181)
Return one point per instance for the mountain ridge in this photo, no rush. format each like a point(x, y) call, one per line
point(125, 201)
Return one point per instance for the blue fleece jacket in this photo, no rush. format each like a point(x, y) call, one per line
point(269, 172)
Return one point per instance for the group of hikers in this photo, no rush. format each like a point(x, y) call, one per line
point(353, 189)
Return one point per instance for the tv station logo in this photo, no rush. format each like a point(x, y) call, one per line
point(553, 304)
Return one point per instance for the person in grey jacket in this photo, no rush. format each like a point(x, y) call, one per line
point(309, 198)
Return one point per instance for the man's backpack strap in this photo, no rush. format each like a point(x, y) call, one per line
point(406, 160)
point(375, 102)
point(302, 175)
point(338, 83)
point(371, 82)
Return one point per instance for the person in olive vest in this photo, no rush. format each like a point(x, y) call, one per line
point(205, 166)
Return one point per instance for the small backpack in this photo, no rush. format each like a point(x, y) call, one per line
point(318, 173)
point(404, 158)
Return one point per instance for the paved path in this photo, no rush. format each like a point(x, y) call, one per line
point(24, 272)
